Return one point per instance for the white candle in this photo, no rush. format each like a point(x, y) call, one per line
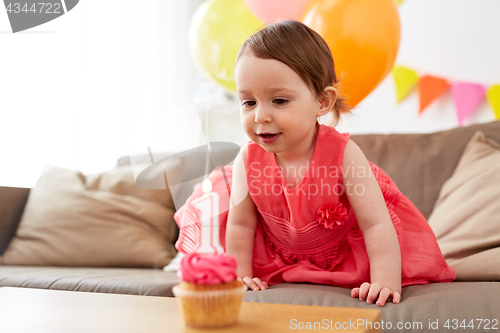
point(208, 205)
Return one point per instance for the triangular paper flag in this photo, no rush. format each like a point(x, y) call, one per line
point(430, 88)
point(493, 95)
point(405, 79)
point(400, 2)
point(467, 96)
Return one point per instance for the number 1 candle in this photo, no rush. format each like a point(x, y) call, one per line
point(208, 205)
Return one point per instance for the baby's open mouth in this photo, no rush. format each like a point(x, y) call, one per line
point(267, 135)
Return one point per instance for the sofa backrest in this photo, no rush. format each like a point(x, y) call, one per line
point(194, 161)
point(420, 164)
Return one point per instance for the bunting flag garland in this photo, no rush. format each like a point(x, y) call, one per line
point(494, 99)
point(430, 88)
point(405, 79)
point(466, 96)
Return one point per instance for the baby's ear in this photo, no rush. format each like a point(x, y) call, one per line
point(327, 100)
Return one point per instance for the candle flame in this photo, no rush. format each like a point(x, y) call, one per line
point(206, 187)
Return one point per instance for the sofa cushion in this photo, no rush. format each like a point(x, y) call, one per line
point(420, 303)
point(66, 223)
point(132, 281)
point(466, 218)
point(419, 164)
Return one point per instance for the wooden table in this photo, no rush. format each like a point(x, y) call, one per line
point(39, 310)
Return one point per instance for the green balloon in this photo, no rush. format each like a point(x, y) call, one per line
point(216, 32)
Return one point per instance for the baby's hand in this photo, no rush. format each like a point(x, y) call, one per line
point(372, 292)
point(254, 284)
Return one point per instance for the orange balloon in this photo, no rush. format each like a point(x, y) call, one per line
point(363, 36)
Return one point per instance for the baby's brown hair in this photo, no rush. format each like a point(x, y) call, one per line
point(303, 50)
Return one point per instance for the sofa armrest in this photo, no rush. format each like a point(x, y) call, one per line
point(12, 202)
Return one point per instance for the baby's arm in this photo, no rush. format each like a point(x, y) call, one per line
point(380, 237)
point(241, 223)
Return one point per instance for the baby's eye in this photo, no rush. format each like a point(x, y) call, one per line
point(248, 103)
point(280, 101)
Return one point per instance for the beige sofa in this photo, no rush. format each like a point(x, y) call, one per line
point(418, 163)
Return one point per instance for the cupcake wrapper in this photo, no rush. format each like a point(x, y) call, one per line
point(212, 308)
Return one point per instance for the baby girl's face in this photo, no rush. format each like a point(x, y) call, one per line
point(275, 100)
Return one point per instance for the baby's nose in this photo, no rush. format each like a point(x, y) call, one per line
point(262, 115)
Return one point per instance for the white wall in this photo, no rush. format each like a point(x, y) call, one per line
point(106, 79)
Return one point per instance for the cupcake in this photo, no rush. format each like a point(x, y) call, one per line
point(209, 294)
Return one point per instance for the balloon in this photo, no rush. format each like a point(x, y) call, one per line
point(363, 36)
point(271, 11)
point(216, 32)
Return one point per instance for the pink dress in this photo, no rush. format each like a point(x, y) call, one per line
point(310, 233)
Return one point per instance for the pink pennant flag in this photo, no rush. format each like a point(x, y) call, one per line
point(467, 97)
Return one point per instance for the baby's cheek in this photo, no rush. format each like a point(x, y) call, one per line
point(248, 127)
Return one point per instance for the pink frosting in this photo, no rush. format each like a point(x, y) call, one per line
point(207, 269)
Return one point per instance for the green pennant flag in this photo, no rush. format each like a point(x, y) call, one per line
point(493, 95)
point(405, 80)
point(400, 2)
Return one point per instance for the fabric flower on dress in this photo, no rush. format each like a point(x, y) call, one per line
point(331, 215)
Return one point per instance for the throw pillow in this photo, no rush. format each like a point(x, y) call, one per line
point(71, 221)
point(466, 216)
point(121, 180)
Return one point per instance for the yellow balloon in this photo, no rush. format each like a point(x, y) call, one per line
point(216, 32)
